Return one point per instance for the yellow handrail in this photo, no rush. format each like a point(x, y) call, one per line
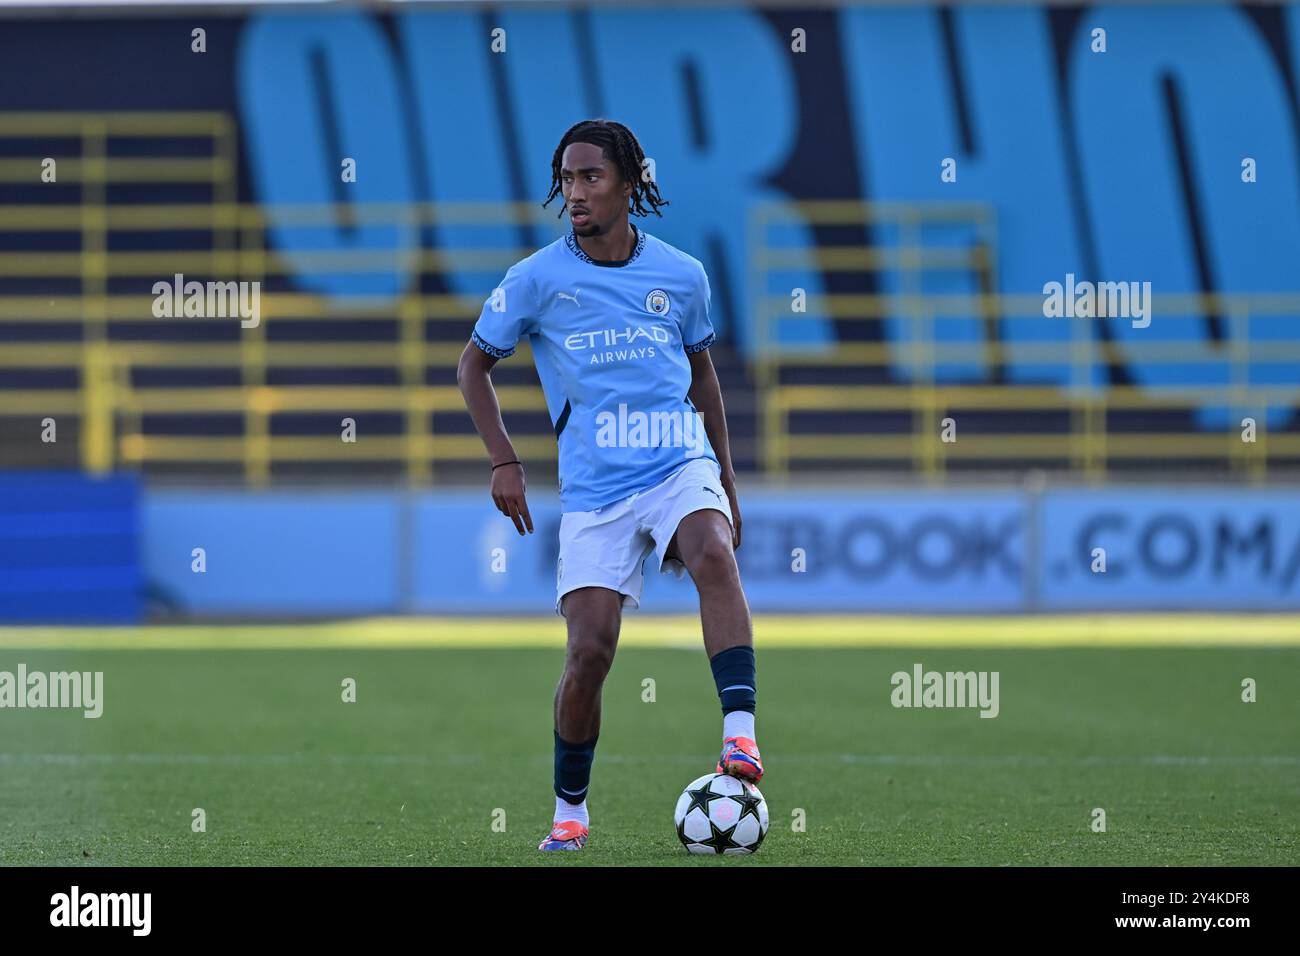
point(99, 256)
point(857, 413)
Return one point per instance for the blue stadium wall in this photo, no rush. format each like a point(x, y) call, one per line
point(81, 550)
point(320, 553)
point(70, 549)
point(1120, 166)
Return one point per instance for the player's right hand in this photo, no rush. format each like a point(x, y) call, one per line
point(508, 493)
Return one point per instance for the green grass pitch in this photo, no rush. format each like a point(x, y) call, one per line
point(443, 740)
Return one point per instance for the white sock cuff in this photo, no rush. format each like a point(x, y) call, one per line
point(564, 810)
point(738, 723)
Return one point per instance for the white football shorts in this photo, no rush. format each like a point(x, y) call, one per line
point(608, 547)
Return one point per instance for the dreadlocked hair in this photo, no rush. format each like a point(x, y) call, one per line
point(619, 146)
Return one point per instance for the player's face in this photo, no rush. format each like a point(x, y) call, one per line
point(594, 193)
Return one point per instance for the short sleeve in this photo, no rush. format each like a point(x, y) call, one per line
point(509, 312)
point(697, 330)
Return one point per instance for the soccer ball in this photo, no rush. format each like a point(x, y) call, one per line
point(717, 813)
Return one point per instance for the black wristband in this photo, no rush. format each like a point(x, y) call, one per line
point(515, 462)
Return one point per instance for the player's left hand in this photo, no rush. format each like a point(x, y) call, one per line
point(729, 486)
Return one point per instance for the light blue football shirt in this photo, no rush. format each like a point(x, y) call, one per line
point(610, 341)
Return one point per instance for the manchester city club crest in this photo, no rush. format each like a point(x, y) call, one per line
point(657, 302)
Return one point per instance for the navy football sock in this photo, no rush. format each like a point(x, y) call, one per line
point(734, 675)
point(573, 768)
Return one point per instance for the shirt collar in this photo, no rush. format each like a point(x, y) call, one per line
point(572, 242)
